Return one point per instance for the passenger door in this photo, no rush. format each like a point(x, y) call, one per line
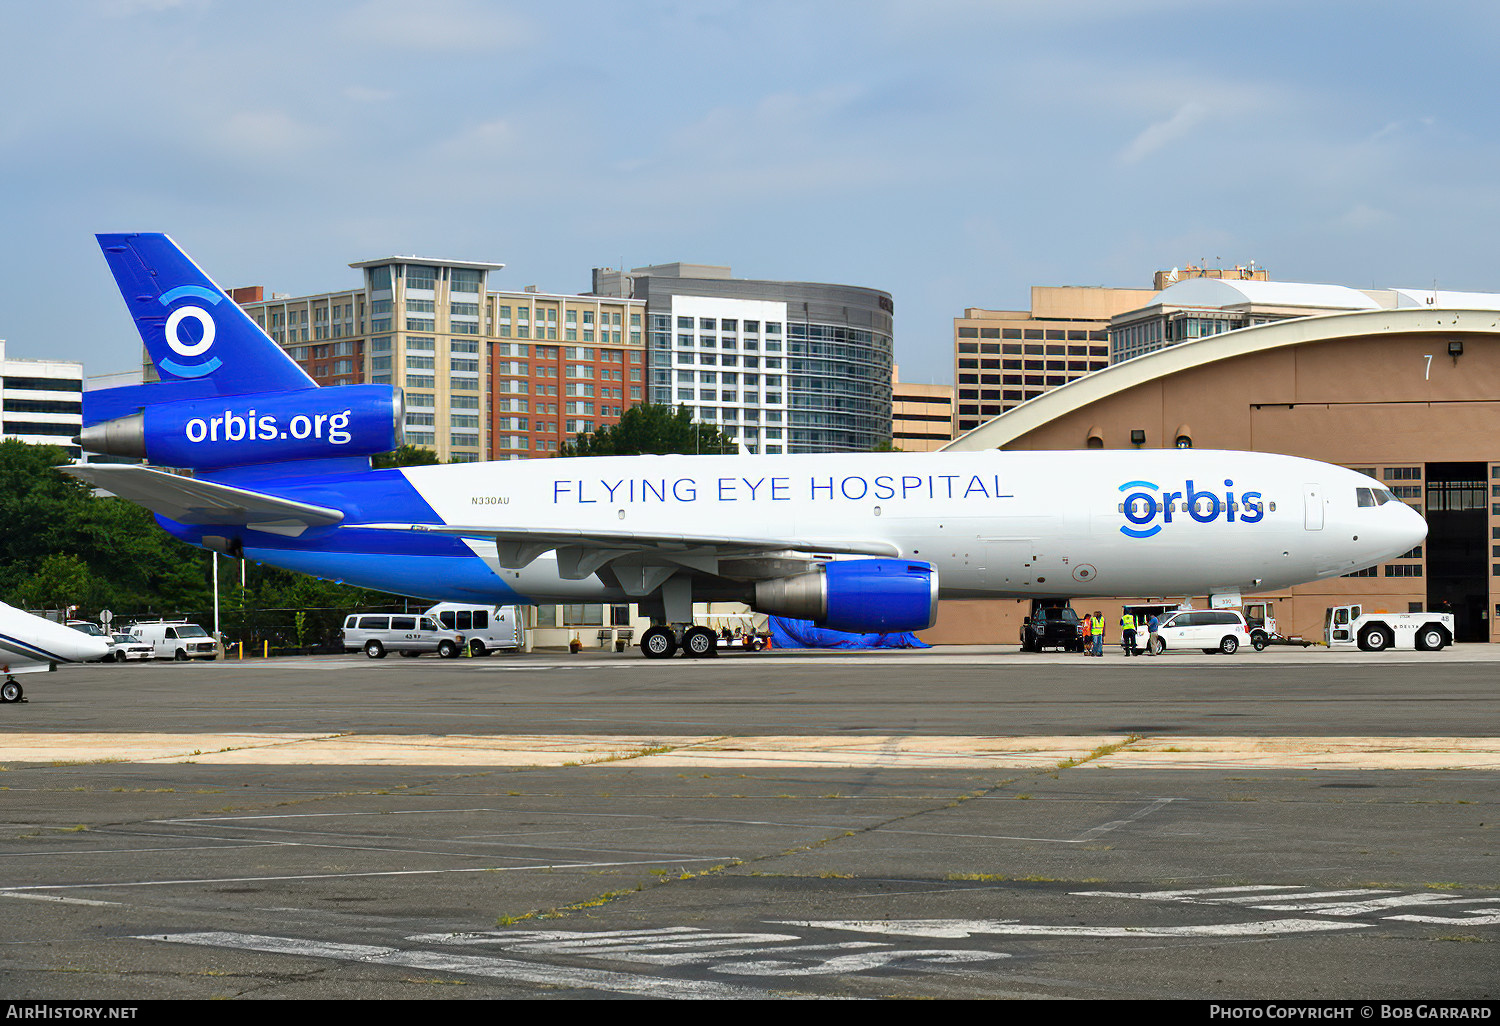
point(1312, 504)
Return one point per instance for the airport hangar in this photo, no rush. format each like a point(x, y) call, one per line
point(1409, 395)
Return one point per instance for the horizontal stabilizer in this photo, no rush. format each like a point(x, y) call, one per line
point(192, 501)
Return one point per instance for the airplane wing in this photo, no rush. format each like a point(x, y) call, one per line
point(581, 552)
point(191, 501)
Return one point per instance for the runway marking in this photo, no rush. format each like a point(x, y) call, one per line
point(12, 893)
point(105, 885)
point(955, 929)
point(592, 752)
point(757, 954)
point(1093, 833)
point(1275, 898)
point(474, 965)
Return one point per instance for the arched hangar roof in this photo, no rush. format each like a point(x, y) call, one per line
point(1219, 293)
point(1116, 378)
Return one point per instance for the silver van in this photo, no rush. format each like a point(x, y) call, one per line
point(408, 633)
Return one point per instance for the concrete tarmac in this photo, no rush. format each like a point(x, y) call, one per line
point(951, 823)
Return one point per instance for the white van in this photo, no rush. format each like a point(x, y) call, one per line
point(1212, 630)
point(486, 629)
point(177, 640)
point(407, 633)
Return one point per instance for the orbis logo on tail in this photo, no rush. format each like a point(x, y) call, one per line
point(1148, 507)
point(206, 332)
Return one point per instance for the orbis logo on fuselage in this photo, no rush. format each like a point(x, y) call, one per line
point(182, 347)
point(1148, 507)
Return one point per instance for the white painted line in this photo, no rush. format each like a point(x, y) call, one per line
point(1263, 889)
point(607, 946)
point(131, 851)
point(1156, 806)
point(511, 936)
point(1382, 904)
point(856, 963)
point(474, 965)
point(959, 928)
point(54, 897)
point(1474, 919)
point(1288, 902)
point(105, 885)
point(714, 955)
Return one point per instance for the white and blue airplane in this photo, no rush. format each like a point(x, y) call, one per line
point(30, 644)
point(857, 542)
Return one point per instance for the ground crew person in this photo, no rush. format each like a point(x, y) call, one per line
point(1127, 633)
point(1151, 625)
point(1086, 634)
point(1097, 629)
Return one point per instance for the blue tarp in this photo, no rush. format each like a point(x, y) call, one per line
point(789, 633)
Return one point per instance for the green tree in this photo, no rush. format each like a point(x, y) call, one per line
point(651, 428)
point(406, 456)
point(62, 580)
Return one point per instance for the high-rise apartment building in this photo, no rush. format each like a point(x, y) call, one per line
point(41, 401)
point(779, 366)
point(486, 375)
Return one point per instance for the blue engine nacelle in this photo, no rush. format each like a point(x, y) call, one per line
point(863, 596)
point(265, 427)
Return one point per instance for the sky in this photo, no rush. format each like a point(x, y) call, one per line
point(951, 152)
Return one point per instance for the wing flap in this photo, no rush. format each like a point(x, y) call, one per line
point(517, 547)
point(192, 501)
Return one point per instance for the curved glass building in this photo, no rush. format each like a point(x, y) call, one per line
point(780, 366)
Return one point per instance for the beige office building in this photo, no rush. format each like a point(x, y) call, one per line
point(1004, 357)
point(487, 375)
point(921, 415)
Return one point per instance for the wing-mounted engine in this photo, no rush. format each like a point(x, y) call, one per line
point(865, 596)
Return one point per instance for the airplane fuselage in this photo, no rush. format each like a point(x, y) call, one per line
point(993, 524)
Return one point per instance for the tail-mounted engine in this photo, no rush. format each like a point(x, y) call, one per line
point(263, 427)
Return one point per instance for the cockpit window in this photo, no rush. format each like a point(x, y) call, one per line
point(1382, 497)
point(1365, 496)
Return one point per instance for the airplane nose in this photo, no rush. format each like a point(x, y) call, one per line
point(86, 648)
point(1413, 527)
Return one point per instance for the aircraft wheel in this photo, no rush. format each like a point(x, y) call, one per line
point(10, 691)
point(375, 650)
point(659, 643)
point(700, 642)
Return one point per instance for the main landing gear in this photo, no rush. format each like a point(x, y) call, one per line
point(662, 642)
point(11, 691)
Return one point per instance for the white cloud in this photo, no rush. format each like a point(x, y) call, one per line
point(453, 26)
point(1163, 133)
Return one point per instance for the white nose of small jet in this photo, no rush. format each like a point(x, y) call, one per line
point(87, 648)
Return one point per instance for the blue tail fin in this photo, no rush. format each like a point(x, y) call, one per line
point(192, 330)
